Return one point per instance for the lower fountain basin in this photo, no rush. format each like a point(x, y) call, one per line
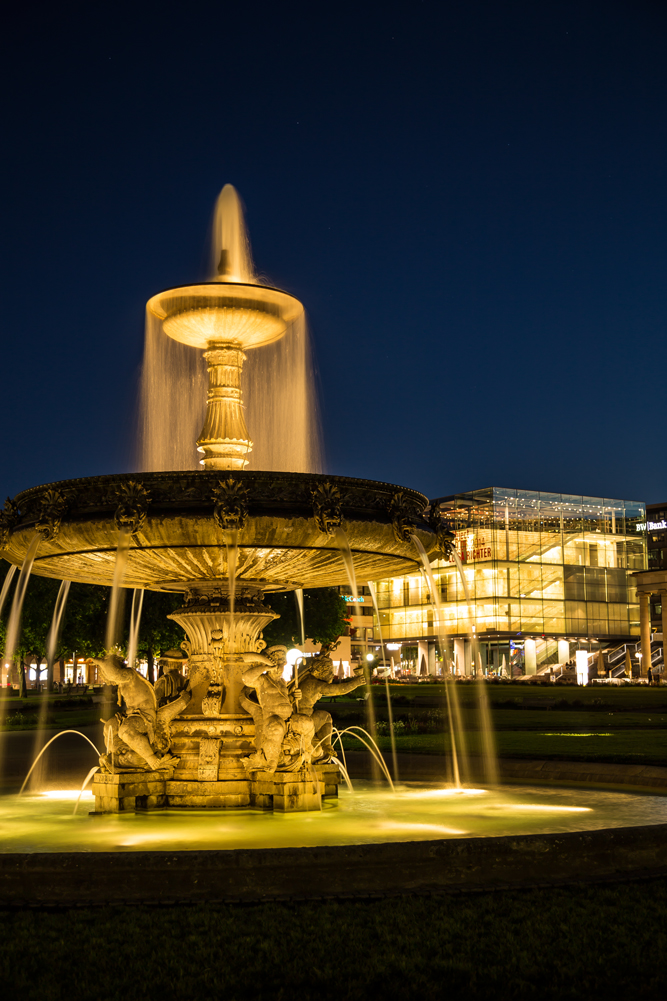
point(372, 844)
point(369, 816)
point(425, 839)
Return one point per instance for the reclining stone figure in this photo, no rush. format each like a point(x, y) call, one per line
point(283, 737)
point(137, 739)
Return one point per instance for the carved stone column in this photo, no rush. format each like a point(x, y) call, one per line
point(224, 438)
point(645, 630)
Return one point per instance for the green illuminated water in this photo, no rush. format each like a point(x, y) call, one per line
point(417, 812)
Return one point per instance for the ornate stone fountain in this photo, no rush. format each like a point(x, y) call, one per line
point(222, 537)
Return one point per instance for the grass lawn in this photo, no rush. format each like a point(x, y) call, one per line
point(624, 746)
point(604, 941)
point(622, 698)
point(59, 712)
point(627, 725)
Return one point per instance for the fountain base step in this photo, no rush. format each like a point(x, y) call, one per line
point(282, 792)
point(129, 791)
point(287, 792)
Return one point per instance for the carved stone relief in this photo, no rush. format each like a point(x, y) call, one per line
point(209, 759)
point(403, 516)
point(231, 505)
point(52, 509)
point(327, 507)
point(132, 508)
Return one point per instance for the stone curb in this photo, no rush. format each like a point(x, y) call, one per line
point(89, 878)
point(456, 865)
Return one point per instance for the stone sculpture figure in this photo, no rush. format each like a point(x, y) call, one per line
point(172, 681)
point(317, 680)
point(137, 739)
point(283, 737)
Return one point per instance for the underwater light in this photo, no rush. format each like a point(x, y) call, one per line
point(392, 826)
point(544, 807)
point(66, 794)
point(449, 791)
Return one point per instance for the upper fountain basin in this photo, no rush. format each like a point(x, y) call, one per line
point(224, 312)
point(284, 524)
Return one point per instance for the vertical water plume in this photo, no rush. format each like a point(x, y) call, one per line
point(298, 594)
point(14, 624)
point(232, 548)
point(489, 753)
point(231, 256)
point(56, 621)
point(113, 625)
point(6, 585)
point(453, 708)
point(135, 622)
point(281, 404)
point(346, 553)
point(51, 649)
point(392, 735)
point(172, 402)
point(348, 562)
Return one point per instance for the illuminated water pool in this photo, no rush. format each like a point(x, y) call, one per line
point(416, 812)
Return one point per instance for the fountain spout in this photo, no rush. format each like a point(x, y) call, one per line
point(232, 259)
point(224, 318)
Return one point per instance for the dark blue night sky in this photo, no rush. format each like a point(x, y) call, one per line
point(469, 197)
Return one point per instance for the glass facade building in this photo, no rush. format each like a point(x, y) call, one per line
point(540, 567)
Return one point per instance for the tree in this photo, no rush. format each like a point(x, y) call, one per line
point(324, 613)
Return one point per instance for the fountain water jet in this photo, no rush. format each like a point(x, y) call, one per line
point(453, 707)
point(489, 755)
point(14, 624)
point(56, 621)
point(298, 593)
point(47, 745)
point(51, 647)
point(87, 779)
point(113, 616)
point(135, 622)
point(348, 561)
point(370, 745)
point(392, 735)
point(6, 585)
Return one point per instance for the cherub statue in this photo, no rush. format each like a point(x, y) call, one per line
point(316, 680)
point(138, 739)
point(279, 729)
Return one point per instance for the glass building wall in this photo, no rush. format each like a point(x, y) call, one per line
point(539, 565)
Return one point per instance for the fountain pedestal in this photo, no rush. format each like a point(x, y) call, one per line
point(213, 734)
